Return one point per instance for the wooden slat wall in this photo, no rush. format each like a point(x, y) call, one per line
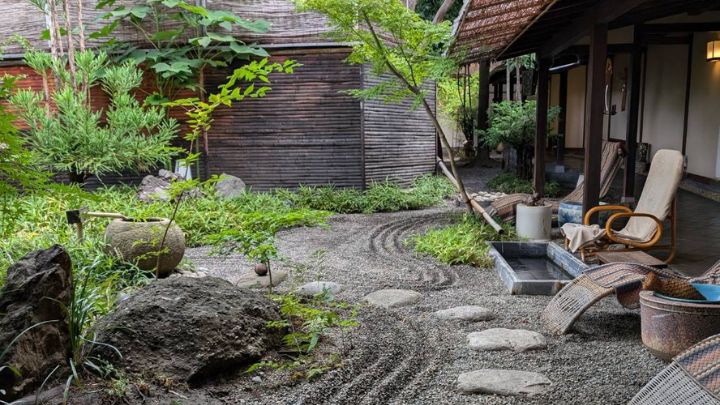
point(399, 142)
point(304, 132)
point(287, 25)
point(19, 17)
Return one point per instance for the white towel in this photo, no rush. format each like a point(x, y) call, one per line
point(580, 235)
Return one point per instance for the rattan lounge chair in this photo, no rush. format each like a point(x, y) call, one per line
point(504, 207)
point(693, 378)
point(644, 227)
point(625, 280)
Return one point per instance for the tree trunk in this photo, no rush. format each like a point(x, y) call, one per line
point(508, 84)
point(81, 25)
point(451, 154)
point(518, 84)
point(442, 11)
point(55, 28)
point(71, 45)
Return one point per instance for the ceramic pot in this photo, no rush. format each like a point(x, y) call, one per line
point(534, 222)
point(139, 242)
point(571, 212)
point(668, 326)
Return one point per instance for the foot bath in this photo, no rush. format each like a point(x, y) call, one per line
point(534, 268)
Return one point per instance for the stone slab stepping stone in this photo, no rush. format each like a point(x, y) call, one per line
point(506, 339)
point(318, 287)
point(466, 313)
point(392, 298)
point(252, 280)
point(503, 382)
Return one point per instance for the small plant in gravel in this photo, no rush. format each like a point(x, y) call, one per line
point(460, 243)
point(510, 183)
point(307, 322)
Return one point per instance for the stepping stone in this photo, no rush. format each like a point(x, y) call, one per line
point(392, 298)
point(466, 313)
point(318, 287)
point(503, 382)
point(252, 280)
point(506, 339)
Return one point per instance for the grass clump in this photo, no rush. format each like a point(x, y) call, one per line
point(426, 191)
point(461, 243)
point(510, 183)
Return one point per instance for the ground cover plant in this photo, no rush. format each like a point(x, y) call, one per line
point(510, 183)
point(463, 242)
point(386, 196)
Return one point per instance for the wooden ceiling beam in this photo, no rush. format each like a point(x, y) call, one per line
point(602, 13)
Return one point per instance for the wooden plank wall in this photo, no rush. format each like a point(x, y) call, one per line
point(399, 141)
point(305, 131)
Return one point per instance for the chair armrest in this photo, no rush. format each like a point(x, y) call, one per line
point(634, 243)
point(600, 208)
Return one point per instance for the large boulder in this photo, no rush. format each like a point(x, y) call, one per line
point(156, 188)
point(37, 289)
point(189, 329)
point(229, 187)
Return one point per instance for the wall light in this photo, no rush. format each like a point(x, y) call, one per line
point(713, 51)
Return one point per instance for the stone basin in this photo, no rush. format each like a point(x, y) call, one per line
point(534, 268)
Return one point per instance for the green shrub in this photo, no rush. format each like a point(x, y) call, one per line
point(460, 243)
point(510, 183)
point(426, 191)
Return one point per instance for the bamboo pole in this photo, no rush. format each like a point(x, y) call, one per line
point(476, 207)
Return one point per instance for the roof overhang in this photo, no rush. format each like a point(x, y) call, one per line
point(502, 29)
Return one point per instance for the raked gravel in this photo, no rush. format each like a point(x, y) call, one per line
point(407, 355)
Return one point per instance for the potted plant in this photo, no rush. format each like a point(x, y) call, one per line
point(533, 219)
point(513, 125)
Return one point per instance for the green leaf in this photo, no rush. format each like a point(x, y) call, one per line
point(202, 41)
point(258, 26)
point(156, 99)
point(166, 35)
point(170, 3)
point(226, 25)
point(105, 31)
point(161, 67)
point(220, 38)
point(248, 50)
point(194, 9)
point(140, 11)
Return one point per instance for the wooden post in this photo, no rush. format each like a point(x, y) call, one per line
point(594, 107)
point(562, 118)
point(483, 93)
point(541, 127)
point(632, 123)
point(688, 80)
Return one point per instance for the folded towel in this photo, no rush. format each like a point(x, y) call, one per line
point(580, 235)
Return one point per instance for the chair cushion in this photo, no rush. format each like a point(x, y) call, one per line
point(666, 171)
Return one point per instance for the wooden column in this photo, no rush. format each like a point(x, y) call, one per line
point(632, 120)
point(594, 106)
point(542, 124)
point(483, 93)
point(562, 118)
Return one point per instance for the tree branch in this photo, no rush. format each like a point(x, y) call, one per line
point(388, 63)
point(442, 11)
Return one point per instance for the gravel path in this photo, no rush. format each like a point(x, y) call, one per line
point(406, 356)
